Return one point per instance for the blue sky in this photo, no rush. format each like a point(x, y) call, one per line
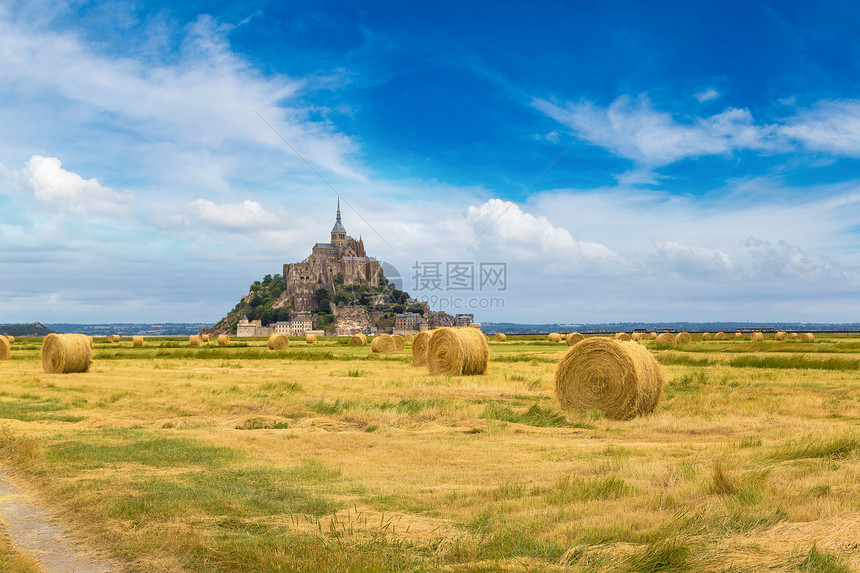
point(627, 161)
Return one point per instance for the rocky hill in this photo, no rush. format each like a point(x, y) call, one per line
point(35, 330)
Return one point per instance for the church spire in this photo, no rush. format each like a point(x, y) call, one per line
point(338, 233)
point(338, 209)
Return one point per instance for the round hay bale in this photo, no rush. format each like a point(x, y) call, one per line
point(278, 342)
point(683, 338)
point(5, 348)
point(573, 337)
point(399, 341)
point(739, 335)
point(137, 341)
point(384, 343)
point(204, 338)
point(65, 353)
point(793, 335)
point(757, 337)
point(194, 340)
point(707, 336)
point(554, 337)
point(636, 336)
point(652, 336)
point(720, 336)
point(409, 338)
point(358, 339)
point(781, 336)
point(458, 352)
point(622, 336)
point(807, 337)
point(621, 379)
point(223, 340)
point(11, 339)
point(501, 337)
point(311, 338)
point(419, 349)
point(664, 339)
point(113, 338)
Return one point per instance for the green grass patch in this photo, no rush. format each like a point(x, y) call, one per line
point(837, 447)
point(661, 557)
point(572, 489)
point(795, 362)
point(817, 561)
point(534, 416)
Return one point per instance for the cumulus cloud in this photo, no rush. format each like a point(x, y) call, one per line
point(707, 95)
point(830, 126)
point(51, 184)
point(632, 128)
point(694, 261)
point(784, 260)
point(244, 217)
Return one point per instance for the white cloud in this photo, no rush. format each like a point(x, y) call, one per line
point(632, 128)
point(693, 261)
point(830, 126)
point(51, 184)
point(709, 94)
point(245, 217)
point(781, 259)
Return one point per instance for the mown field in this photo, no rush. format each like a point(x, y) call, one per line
point(330, 458)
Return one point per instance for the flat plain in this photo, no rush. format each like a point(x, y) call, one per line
point(237, 458)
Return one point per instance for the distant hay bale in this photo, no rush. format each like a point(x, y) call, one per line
point(311, 338)
point(458, 352)
point(683, 338)
point(636, 336)
point(807, 337)
point(707, 336)
point(11, 339)
point(720, 336)
point(383, 344)
point(5, 348)
point(358, 339)
point(664, 339)
point(419, 349)
point(194, 340)
point(409, 338)
point(113, 338)
point(554, 337)
point(793, 335)
point(652, 336)
point(621, 379)
point(400, 341)
point(137, 341)
point(66, 353)
point(501, 337)
point(622, 336)
point(278, 341)
point(223, 340)
point(204, 338)
point(757, 337)
point(739, 334)
point(781, 336)
point(573, 337)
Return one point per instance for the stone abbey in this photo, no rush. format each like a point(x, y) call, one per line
point(343, 257)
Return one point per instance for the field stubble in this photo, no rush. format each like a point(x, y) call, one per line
point(330, 458)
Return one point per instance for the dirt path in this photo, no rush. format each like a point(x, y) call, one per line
point(32, 529)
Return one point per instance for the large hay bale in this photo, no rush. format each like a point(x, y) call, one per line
point(204, 338)
point(757, 337)
point(781, 336)
point(113, 338)
point(384, 343)
point(310, 338)
point(66, 353)
point(399, 341)
point(573, 337)
point(554, 337)
point(622, 336)
point(707, 336)
point(419, 349)
point(501, 337)
point(720, 335)
point(223, 340)
point(137, 341)
point(5, 348)
point(739, 334)
point(358, 339)
point(683, 338)
point(807, 337)
point(621, 379)
point(194, 340)
point(664, 339)
point(458, 351)
point(278, 342)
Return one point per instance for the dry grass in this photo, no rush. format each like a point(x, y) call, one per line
point(329, 458)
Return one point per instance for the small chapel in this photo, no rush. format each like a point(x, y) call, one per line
point(342, 257)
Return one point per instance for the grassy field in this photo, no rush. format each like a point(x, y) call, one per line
point(330, 458)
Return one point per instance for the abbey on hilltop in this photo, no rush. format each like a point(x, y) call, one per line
point(341, 261)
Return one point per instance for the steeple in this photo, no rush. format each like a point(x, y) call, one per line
point(338, 233)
